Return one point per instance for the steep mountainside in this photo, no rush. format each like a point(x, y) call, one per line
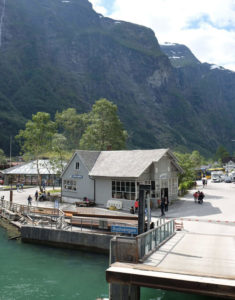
point(210, 90)
point(58, 54)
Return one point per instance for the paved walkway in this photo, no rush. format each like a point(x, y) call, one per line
point(218, 206)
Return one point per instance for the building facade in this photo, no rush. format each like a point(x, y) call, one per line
point(116, 175)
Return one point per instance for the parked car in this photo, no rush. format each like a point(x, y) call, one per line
point(228, 179)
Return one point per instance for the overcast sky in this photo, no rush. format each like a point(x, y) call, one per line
point(207, 27)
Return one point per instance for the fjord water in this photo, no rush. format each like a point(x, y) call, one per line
point(38, 272)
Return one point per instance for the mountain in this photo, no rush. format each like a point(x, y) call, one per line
point(58, 54)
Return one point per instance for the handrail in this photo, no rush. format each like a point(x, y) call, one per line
point(21, 208)
point(149, 241)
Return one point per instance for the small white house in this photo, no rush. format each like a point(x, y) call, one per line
point(106, 176)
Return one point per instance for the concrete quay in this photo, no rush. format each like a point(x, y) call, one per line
point(199, 259)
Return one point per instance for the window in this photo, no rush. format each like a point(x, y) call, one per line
point(76, 165)
point(123, 190)
point(70, 185)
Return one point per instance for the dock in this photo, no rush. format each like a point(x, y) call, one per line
point(201, 264)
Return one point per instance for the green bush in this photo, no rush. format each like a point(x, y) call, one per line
point(186, 185)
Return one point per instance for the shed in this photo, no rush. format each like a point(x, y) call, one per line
point(27, 173)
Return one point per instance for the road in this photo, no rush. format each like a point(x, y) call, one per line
point(215, 215)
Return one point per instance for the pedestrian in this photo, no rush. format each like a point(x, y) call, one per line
point(36, 195)
point(162, 206)
point(44, 184)
point(166, 203)
point(29, 200)
point(136, 205)
point(132, 210)
point(200, 197)
point(195, 196)
point(22, 186)
point(203, 182)
point(17, 186)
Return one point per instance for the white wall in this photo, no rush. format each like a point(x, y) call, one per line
point(103, 191)
point(85, 185)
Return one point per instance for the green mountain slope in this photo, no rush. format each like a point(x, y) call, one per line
point(59, 54)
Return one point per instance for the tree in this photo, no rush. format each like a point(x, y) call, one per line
point(187, 165)
point(196, 159)
point(59, 143)
point(37, 137)
point(105, 129)
point(221, 153)
point(72, 125)
point(3, 159)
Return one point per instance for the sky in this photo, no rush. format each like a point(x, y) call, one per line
point(207, 27)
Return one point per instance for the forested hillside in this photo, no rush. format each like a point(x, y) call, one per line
point(60, 54)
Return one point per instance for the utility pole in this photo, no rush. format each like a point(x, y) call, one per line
point(141, 212)
point(10, 149)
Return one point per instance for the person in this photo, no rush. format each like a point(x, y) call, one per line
point(200, 197)
point(203, 182)
point(29, 200)
point(136, 205)
point(22, 186)
point(162, 206)
point(166, 203)
point(36, 195)
point(17, 186)
point(43, 184)
point(195, 196)
point(42, 197)
point(132, 210)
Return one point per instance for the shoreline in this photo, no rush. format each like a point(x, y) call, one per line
point(11, 230)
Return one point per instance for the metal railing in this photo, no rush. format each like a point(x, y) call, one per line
point(149, 241)
point(52, 217)
point(29, 209)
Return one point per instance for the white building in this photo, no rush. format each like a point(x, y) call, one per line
point(115, 175)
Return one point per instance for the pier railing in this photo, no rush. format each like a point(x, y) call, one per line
point(36, 216)
point(28, 209)
point(136, 249)
point(149, 241)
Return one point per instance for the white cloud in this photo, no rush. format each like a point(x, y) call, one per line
point(206, 27)
point(98, 7)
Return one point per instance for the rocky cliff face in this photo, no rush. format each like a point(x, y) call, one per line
point(59, 54)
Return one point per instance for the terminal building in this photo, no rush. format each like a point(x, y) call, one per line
point(113, 177)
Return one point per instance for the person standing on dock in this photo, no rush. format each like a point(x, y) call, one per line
point(29, 200)
point(36, 195)
point(136, 205)
point(162, 206)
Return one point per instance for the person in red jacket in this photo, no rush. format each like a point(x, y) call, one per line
point(136, 205)
point(195, 196)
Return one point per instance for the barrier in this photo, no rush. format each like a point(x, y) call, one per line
point(115, 203)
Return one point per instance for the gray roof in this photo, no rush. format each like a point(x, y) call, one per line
point(88, 157)
point(127, 163)
point(30, 168)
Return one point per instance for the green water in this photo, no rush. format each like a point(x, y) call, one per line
point(37, 272)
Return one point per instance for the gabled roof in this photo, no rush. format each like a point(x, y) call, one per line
point(127, 163)
point(30, 168)
point(88, 157)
